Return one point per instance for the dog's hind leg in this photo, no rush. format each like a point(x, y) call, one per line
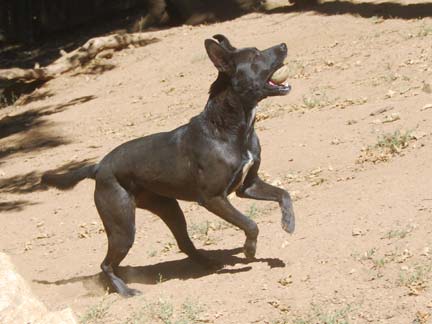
point(169, 211)
point(116, 208)
point(255, 188)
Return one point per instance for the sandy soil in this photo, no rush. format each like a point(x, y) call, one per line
point(352, 143)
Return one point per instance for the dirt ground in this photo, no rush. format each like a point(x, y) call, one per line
point(352, 143)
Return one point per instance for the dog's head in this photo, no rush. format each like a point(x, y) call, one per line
point(251, 72)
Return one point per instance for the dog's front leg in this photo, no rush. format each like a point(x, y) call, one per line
point(256, 188)
point(223, 208)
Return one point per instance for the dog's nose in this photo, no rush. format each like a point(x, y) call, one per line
point(283, 47)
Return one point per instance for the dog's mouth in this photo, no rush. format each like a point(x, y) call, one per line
point(278, 80)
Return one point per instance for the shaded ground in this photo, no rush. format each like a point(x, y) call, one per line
point(352, 143)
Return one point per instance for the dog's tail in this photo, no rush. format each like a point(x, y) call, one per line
point(68, 180)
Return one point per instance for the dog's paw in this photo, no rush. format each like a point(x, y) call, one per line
point(130, 292)
point(288, 219)
point(249, 248)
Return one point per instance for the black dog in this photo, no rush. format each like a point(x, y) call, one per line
point(216, 153)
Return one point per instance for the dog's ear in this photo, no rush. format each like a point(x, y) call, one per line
point(224, 42)
point(219, 56)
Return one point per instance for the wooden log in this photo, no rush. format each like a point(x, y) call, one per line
point(74, 59)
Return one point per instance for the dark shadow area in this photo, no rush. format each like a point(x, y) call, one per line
point(34, 141)
point(31, 119)
point(47, 49)
point(158, 14)
point(9, 95)
point(21, 184)
point(16, 205)
point(30, 182)
point(36, 95)
point(36, 133)
point(36, 136)
point(192, 12)
point(386, 10)
point(183, 269)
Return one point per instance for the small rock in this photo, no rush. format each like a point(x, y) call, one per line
point(18, 304)
point(276, 182)
point(428, 106)
point(357, 232)
point(390, 94)
point(316, 171)
point(391, 118)
point(286, 281)
point(261, 116)
point(279, 306)
point(427, 87)
point(284, 244)
point(305, 278)
point(296, 195)
point(426, 251)
point(381, 110)
point(417, 135)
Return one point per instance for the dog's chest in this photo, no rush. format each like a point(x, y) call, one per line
point(247, 164)
point(251, 120)
point(241, 172)
point(247, 160)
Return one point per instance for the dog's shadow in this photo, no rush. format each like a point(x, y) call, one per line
point(158, 273)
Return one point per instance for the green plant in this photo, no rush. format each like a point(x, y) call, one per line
point(424, 31)
point(252, 212)
point(190, 312)
point(95, 313)
point(337, 317)
point(369, 253)
point(379, 263)
point(387, 146)
point(319, 316)
point(394, 142)
point(168, 247)
point(318, 98)
point(163, 311)
point(152, 253)
point(160, 278)
point(398, 233)
point(200, 230)
point(418, 276)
